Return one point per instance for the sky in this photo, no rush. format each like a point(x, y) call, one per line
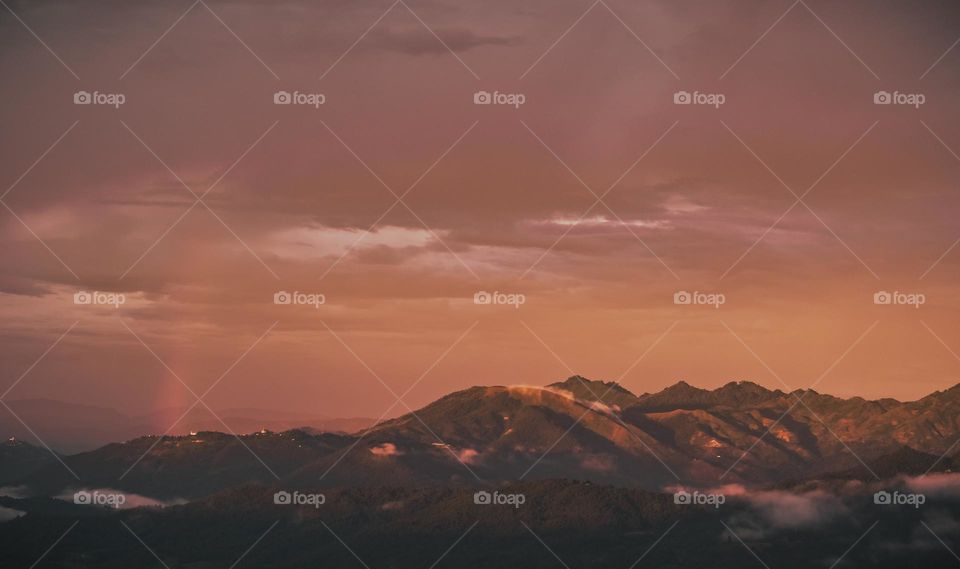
point(793, 199)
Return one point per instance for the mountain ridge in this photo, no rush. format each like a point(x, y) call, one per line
point(575, 428)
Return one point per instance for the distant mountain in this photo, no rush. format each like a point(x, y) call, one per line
point(18, 459)
point(574, 429)
point(71, 427)
point(904, 461)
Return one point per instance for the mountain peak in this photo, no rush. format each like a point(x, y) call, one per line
point(682, 395)
point(608, 392)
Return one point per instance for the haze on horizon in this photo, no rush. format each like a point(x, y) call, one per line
point(493, 191)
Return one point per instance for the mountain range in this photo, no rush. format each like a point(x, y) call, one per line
point(574, 429)
point(70, 427)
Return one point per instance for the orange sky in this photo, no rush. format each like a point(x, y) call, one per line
point(491, 190)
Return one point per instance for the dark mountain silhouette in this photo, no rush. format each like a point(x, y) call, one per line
point(18, 459)
point(577, 429)
point(71, 428)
